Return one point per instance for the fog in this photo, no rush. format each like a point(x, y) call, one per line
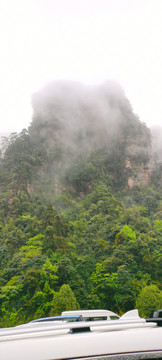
point(85, 40)
point(75, 121)
point(86, 116)
point(157, 141)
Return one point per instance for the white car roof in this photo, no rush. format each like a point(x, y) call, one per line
point(124, 338)
point(90, 313)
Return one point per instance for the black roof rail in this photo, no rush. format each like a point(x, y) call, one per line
point(155, 320)
point(68, 318)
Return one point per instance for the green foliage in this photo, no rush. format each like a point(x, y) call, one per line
point(149, 299)
point(19, 160)
point(63, 300)
point(114, 290)
point(71, 232)
point(11, 318)
point(49, 274)
point(126, 234)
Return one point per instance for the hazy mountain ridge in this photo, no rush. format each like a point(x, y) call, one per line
point(75, 122)
point(79, 225)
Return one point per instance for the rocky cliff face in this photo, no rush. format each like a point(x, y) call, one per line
point(156, 132)
point(139, 160)
point(75, 122)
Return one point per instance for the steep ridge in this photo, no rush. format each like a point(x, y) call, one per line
point(75, 123)
point(75, 230)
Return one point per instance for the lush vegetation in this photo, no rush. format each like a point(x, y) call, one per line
point(78, 238)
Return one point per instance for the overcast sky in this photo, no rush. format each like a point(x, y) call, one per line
point(89, 41)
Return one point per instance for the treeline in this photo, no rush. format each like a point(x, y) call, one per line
point(92, 243)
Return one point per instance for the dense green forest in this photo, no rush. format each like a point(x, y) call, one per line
point(80, 209)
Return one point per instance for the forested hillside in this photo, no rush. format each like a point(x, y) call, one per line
point(80, 208)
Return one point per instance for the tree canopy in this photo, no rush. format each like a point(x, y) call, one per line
point(73, 234)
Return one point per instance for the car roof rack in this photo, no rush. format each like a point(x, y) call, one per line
point(59, 318)
point(127, 321)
